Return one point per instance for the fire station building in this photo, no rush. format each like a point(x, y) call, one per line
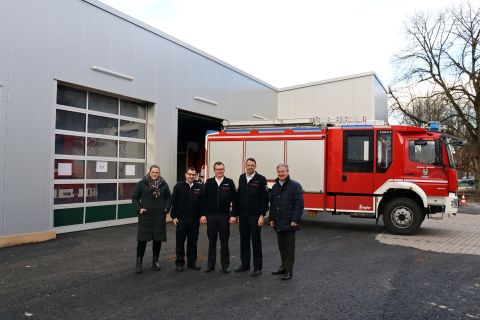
point(90, 97)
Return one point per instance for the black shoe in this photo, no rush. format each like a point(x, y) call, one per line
point(287, 275)
point(226, 270)
point(138, 266)
point(155, 264)
point(209, 269)
point(279, 271)
point(194, 267)
point(179, 268)
point(256, 273)
point(242, 268)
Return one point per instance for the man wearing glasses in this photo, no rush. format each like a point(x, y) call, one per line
point(186, 201)
point(218, 198)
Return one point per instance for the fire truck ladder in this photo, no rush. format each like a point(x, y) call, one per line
point(299, 122)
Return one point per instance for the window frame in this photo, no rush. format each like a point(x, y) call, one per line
point(365, 166)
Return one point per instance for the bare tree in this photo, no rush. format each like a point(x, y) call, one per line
point(438, 73)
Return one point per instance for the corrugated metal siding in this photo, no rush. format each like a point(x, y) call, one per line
point(355, 97)
point(64, 39)
point(28, 130)
point(381, 101)
point(6, 35)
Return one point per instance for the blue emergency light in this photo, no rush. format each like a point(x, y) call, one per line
point(433, 126)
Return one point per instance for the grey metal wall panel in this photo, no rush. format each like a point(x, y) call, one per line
point(381, 101)
point(353, 96)
point(6, 34)
point(68, 45)
point(3, 122)
point(146, 64)
point(64, 39)
point(97, 44)
point(28, 129)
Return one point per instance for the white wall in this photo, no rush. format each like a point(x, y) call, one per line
point(357, 96)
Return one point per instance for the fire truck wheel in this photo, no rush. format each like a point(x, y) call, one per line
point(402, 216)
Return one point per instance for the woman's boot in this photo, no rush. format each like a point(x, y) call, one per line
point(138, 267)
point(155, 264)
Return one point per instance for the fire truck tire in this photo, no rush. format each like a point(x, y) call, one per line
point(402, 216)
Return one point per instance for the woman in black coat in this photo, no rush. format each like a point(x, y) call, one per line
point(151, 199)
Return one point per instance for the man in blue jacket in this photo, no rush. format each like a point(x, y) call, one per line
point(252, 202)
point(286, 208)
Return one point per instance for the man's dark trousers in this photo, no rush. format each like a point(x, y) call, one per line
point(249, 229)
point(218, 225)
point(286, 245)
point(187, 228)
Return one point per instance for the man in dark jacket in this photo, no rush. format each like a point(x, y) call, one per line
point(151, 199)
point(185, 214)
point(218, 197)
point(252, 202)
point(286, 207)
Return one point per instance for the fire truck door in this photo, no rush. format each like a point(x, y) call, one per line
point(424, 165)
point(357, 172)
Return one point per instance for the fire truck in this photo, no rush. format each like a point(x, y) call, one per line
point(363, 169)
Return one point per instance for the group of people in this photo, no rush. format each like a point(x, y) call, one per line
point(218, 204)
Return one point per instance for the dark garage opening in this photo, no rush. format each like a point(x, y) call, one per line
point(192, 128)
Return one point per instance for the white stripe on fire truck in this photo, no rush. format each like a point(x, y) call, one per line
point(419, 181)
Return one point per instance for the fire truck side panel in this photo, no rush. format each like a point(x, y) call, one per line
point(267, 154)
point(228, 152)
point(306, 161)
point(354, 204)
point(314, 201)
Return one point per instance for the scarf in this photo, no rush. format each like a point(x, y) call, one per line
point(154, 186)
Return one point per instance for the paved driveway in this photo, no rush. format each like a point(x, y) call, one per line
point(342, 271)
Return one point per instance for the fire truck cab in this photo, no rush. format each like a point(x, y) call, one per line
point(367, 169)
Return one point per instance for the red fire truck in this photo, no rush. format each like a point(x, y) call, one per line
point(367, 169)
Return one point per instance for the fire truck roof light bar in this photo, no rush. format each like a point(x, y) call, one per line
point(237, 131)
point(268, 130)
point(299, 122)
point(307, 129)
point(356, 126)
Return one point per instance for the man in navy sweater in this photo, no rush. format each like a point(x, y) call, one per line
point(252, 202)
point(218, 198)
point(186, 201)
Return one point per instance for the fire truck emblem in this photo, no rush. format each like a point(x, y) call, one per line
point(425, 171)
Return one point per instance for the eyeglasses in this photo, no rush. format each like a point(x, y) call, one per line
point(219, 169)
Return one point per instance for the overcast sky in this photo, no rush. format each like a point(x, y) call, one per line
point(287, 43)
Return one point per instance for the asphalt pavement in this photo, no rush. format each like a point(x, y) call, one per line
point(341, 272)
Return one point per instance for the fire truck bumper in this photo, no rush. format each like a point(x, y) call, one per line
point(451, 204)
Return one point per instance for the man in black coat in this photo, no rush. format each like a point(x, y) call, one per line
point(252, 202)
point(286, 208)
point(185, 213)
point(218, 197)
